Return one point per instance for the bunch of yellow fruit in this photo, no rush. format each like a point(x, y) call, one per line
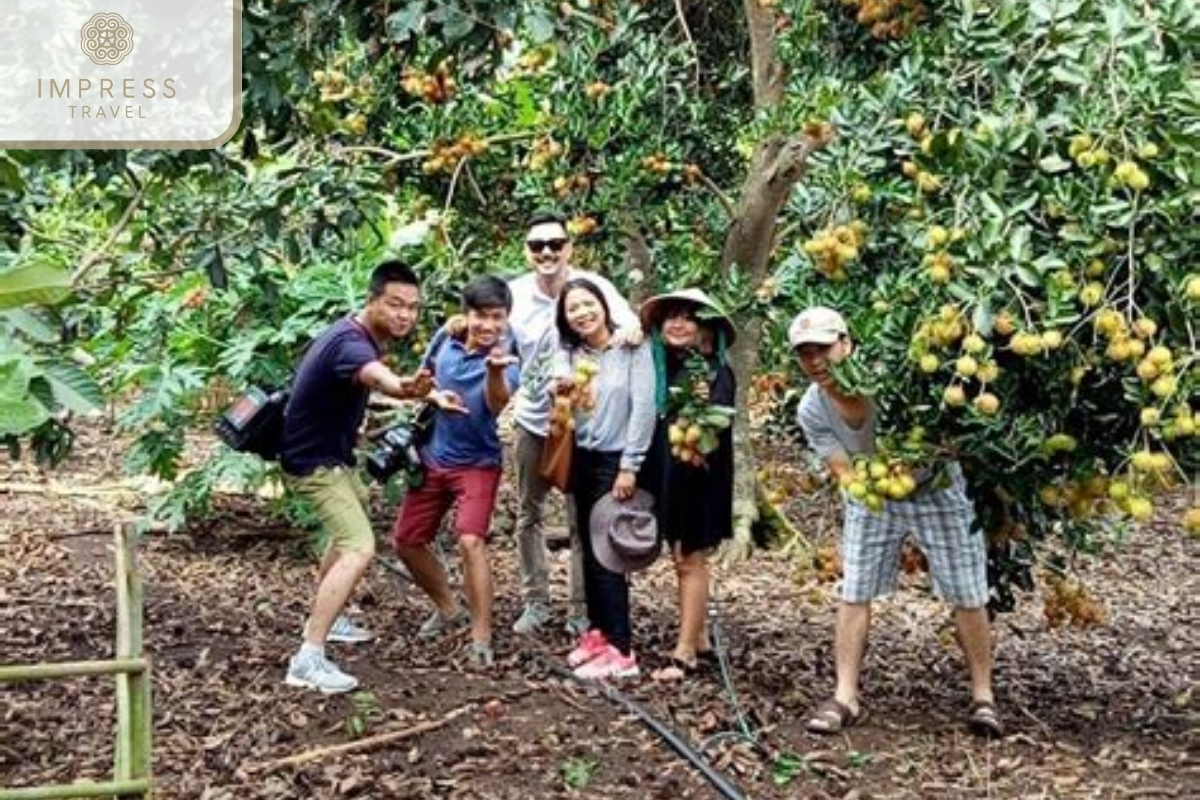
point(435, 87)
point(1079, 499)
point(445, 156)
point(566, 184)
point(658, 163)
point(585, 371)
point(878, 479)
point(545, 150)
point(888, 19)
point(576, 392)
point(693, 438)
point(833, 249)
point(1070, 601)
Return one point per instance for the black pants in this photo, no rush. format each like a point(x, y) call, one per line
point(607, 592)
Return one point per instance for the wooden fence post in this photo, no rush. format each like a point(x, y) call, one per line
point(134, 722)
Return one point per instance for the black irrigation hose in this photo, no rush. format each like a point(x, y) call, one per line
point(668, 734)
point(746, 733)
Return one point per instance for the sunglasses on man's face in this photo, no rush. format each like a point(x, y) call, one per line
point(538, 245)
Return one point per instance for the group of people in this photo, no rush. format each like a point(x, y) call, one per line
point(566, 349)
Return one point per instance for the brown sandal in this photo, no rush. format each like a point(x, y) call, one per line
point(984, 720)
point(833, 716)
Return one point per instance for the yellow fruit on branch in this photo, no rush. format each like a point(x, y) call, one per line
point(1026, 344)
point(987, 404)
point(914, 123)
point(954, 395)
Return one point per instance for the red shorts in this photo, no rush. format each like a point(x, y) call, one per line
point(470, 491)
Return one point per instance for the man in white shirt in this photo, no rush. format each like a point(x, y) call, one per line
point(535, 299)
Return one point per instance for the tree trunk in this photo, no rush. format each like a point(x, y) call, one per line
point(776, 168)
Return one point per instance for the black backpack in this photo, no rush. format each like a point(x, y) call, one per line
point(254, 423)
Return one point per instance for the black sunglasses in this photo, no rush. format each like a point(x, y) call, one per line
point(538, 245)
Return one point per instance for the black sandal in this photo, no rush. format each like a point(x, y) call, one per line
point(833, 716)
point(984, 720)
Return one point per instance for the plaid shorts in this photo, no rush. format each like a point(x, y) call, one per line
point(940, 522)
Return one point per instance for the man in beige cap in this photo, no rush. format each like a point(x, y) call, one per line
point(840, 426)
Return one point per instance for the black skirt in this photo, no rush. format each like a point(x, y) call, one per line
point(694, 505)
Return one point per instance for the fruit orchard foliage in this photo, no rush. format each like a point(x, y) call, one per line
point(1023, 165)
point(1024, 286)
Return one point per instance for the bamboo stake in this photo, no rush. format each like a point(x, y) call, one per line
point(70, 669)
point(72, 790)
point(141, 711)
point(132, 758)
point(361, 744)
point(123, 754)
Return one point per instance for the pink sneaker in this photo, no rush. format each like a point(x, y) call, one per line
point(591, 644)
point(609, 664)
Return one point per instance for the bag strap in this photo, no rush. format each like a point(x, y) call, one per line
point(435, 347)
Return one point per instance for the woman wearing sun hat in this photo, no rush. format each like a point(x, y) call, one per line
point(690, 464)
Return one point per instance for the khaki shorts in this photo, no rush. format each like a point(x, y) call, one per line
point(341, 502)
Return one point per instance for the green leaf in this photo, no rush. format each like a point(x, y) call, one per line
point(10, 175)
point(21, 415)
point(31, 324)
point(402, 24)
point(1068, 75)
point(73, 388)
point(19, 410)
point(540, 27)
point(34, 284)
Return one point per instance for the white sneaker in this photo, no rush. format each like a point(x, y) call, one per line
point(344, 630)
point(314, 671)
point(479, 655)
point(535, 615)
point(439, 624)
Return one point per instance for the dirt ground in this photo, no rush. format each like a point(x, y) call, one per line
point(1103, 712)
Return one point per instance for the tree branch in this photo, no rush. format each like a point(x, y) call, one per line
point(725, 200)
point(90, 260)
point(416, 155)
point(765, 67)
point(687, 35)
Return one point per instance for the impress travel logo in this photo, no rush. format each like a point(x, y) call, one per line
point(119, 73)
point(106, 39)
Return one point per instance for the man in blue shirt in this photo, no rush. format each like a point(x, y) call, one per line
point(321, 422)
point(476, 375)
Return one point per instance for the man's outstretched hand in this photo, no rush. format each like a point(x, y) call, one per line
point(500, 358)
point(419, 384)
point(447, 400)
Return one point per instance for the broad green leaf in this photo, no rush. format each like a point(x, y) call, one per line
point(20, 415)
point(402, 24)
point(31, 324)
point(73, 388)
point(19, 410)
point(10, 175)
point(33, 284)
point(540, 27)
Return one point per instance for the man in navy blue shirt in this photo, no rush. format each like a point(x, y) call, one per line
point(476, 374)
point(321, 423)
